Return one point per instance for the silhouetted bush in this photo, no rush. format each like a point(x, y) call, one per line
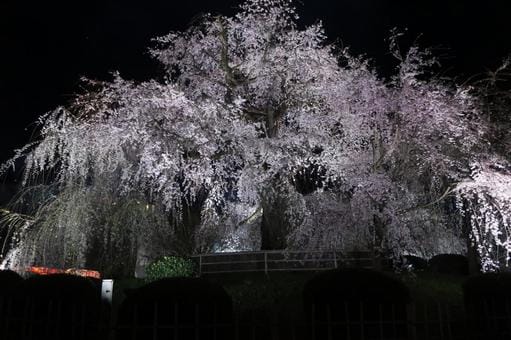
point(190, 304)
point(488, 304)
point(62, 307)
point(452, 264)
point(9, 281)
point(358, 302)
point(11, 305)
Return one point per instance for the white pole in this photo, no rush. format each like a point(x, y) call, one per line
point(107, 289)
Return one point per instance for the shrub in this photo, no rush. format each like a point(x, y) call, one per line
point(494, 285)
point(363, 296)
point(9, 281)
point(62, 304)
point(176, 301)
point(488, 302)
point(11, 304)
point(355, 284)
point(63, 286)
point(453, 264)
point(171, 266)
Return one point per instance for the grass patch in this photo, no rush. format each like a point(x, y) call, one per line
point(426, 287)
point(280, 292)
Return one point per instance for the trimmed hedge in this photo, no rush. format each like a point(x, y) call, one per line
point(488, 304)
point(369, 299)
point(9, 281)
point(62, 287)
point(61, 305)
point(355, 284)
point(187, 301)
point(452, 264)
point(495, 285)
point(11, 304)
point(170, 266)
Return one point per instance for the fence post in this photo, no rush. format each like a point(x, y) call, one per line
point(362, 320)
point(448, 322)
point(196, 321)
point(412, 321)
point(176, 321)
point(440, 320)
point(329, 321)
point(155, 321)
point(200, 265)
point(347, 321)
point(266, 263)
point(312, 321)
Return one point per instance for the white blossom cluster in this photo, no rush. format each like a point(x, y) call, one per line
point(486, 201)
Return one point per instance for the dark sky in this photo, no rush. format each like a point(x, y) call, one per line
point(46, 46)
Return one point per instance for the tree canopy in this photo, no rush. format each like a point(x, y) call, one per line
point(263, 135)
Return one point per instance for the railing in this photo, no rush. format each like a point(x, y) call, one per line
point(281, 260)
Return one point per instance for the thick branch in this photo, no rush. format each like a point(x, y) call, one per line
point(446, 193)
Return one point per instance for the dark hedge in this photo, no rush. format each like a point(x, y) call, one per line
point(488, 304)
point(62, 306)
point(189, 302)
point(355, 284)
point(9, 281)
point(452, 264)
point(363, 304)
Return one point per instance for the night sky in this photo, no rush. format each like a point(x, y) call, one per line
point(48, 45)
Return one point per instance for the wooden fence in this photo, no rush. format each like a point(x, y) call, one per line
point(279, 260)
point(421, 322)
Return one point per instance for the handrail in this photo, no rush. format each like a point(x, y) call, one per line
point(268, 264)
point(244, 252)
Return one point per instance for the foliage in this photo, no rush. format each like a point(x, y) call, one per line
point(170, 266)
point(259, 124)
point(484, 197)
point(485, 200)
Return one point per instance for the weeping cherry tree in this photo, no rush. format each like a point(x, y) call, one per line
point(262, 136)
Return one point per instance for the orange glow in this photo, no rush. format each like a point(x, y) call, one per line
point(71, 271)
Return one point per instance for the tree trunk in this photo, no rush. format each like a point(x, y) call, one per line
point(274, 226)
point(272, 232)
point(472, 256)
